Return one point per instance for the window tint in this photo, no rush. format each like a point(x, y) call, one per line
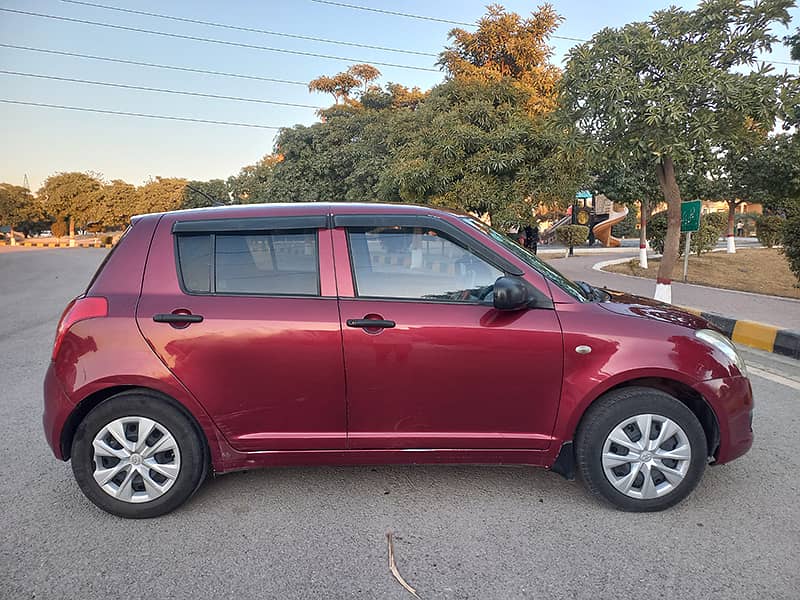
point(194, 254)
point(281, 262)
point(405, 262)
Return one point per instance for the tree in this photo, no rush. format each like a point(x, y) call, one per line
point(671, 88)
point(793, 41)
point(113, 205)
point(771, 175)
point(200, 194)
point(340, 86)
point(252, 183)
point(480, 151)
point(364, 73)
point(160, 195)
point(343, 158)
point(629, 182)
point(70, 196)
point(506, 46)
point(17, 207)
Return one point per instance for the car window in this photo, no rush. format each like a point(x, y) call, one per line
point(194, 254)
point(417, 263)
point(271, 263)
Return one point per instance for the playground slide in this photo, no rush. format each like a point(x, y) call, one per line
point(602, 231)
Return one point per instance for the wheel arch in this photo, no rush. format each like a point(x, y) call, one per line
point(85, 406)
point(682, 392)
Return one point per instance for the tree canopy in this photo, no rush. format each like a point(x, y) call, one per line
point(506, 46)
point(674, 87)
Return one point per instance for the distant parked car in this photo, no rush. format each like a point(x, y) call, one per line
point(223, 339)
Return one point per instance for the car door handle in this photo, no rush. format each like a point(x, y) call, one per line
point(177, 318)
point(371, 323)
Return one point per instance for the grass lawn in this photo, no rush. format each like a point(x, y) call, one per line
point(764, 271)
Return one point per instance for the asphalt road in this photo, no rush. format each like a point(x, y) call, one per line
point(461, 532)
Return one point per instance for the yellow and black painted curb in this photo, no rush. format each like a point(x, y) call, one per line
point(59, 244)
point(756, 335)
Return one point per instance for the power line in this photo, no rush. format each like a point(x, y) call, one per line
point(420, 17)
point(154, 65)
point(133, 114)
point(154, 89)
point(393, 13)
point(248, 29)
point(214, 41)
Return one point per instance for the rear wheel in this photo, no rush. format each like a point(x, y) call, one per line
point(640, 449)
point(137, 456)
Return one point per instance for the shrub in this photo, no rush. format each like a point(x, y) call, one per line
point(107, 239)
point(627, 227)
point(572, 235)
point(791, 244)
point(58, 228)
point(657, 231)
point(712, 225)
point(769, 230)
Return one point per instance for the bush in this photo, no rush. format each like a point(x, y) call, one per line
point(791, 244)
point(58, 228)
point(628, 226)
point(107, 239)
point(769, 230)
point(712, 225)
point(572, 235)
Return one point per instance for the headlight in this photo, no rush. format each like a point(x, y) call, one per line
point(724, 345)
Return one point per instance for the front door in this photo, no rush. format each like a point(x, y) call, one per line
point(429, 362)
point(266, 359)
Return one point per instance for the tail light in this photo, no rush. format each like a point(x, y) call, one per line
point(79, 309)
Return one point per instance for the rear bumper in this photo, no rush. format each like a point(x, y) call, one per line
point(57, 409)
point(732, 401)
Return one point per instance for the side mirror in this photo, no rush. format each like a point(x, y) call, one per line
point(510, 293)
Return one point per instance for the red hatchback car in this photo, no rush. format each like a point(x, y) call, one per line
point(223, 339)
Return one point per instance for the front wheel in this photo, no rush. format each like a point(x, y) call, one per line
point(137, 456)
point(640, 449)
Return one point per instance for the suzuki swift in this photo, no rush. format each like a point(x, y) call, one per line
point(223, 339)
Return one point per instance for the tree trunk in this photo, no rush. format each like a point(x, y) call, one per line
point(731, 219)
point(665, 171)
point(12, 239)
point(71, 231)
point(643, 234)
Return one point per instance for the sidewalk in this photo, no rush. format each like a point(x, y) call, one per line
point(783, 313)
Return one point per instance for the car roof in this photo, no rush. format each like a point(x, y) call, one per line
point(301, 208)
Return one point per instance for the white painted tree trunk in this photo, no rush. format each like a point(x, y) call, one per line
point(663, 292)
point(643, 257)
point(731, 244)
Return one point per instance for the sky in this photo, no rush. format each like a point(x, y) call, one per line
point(38, 141)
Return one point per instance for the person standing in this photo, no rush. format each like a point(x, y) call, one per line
point(532, 238)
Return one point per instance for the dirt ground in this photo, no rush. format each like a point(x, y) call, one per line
point(760, 270)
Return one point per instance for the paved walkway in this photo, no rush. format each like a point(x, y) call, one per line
point(781, 312)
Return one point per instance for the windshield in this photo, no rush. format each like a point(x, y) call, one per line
point(530, 259)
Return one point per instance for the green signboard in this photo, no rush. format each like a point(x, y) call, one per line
point(690, 216)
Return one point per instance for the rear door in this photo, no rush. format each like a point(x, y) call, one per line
point(238, 311)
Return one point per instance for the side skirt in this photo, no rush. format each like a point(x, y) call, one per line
point(238, 461)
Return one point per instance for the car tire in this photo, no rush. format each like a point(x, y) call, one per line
point(623, 457)
point(132, 477)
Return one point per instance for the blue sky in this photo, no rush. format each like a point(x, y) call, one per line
point(39, 142)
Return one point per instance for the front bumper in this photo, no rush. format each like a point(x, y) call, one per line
point(731, 398)
point(57, 409)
